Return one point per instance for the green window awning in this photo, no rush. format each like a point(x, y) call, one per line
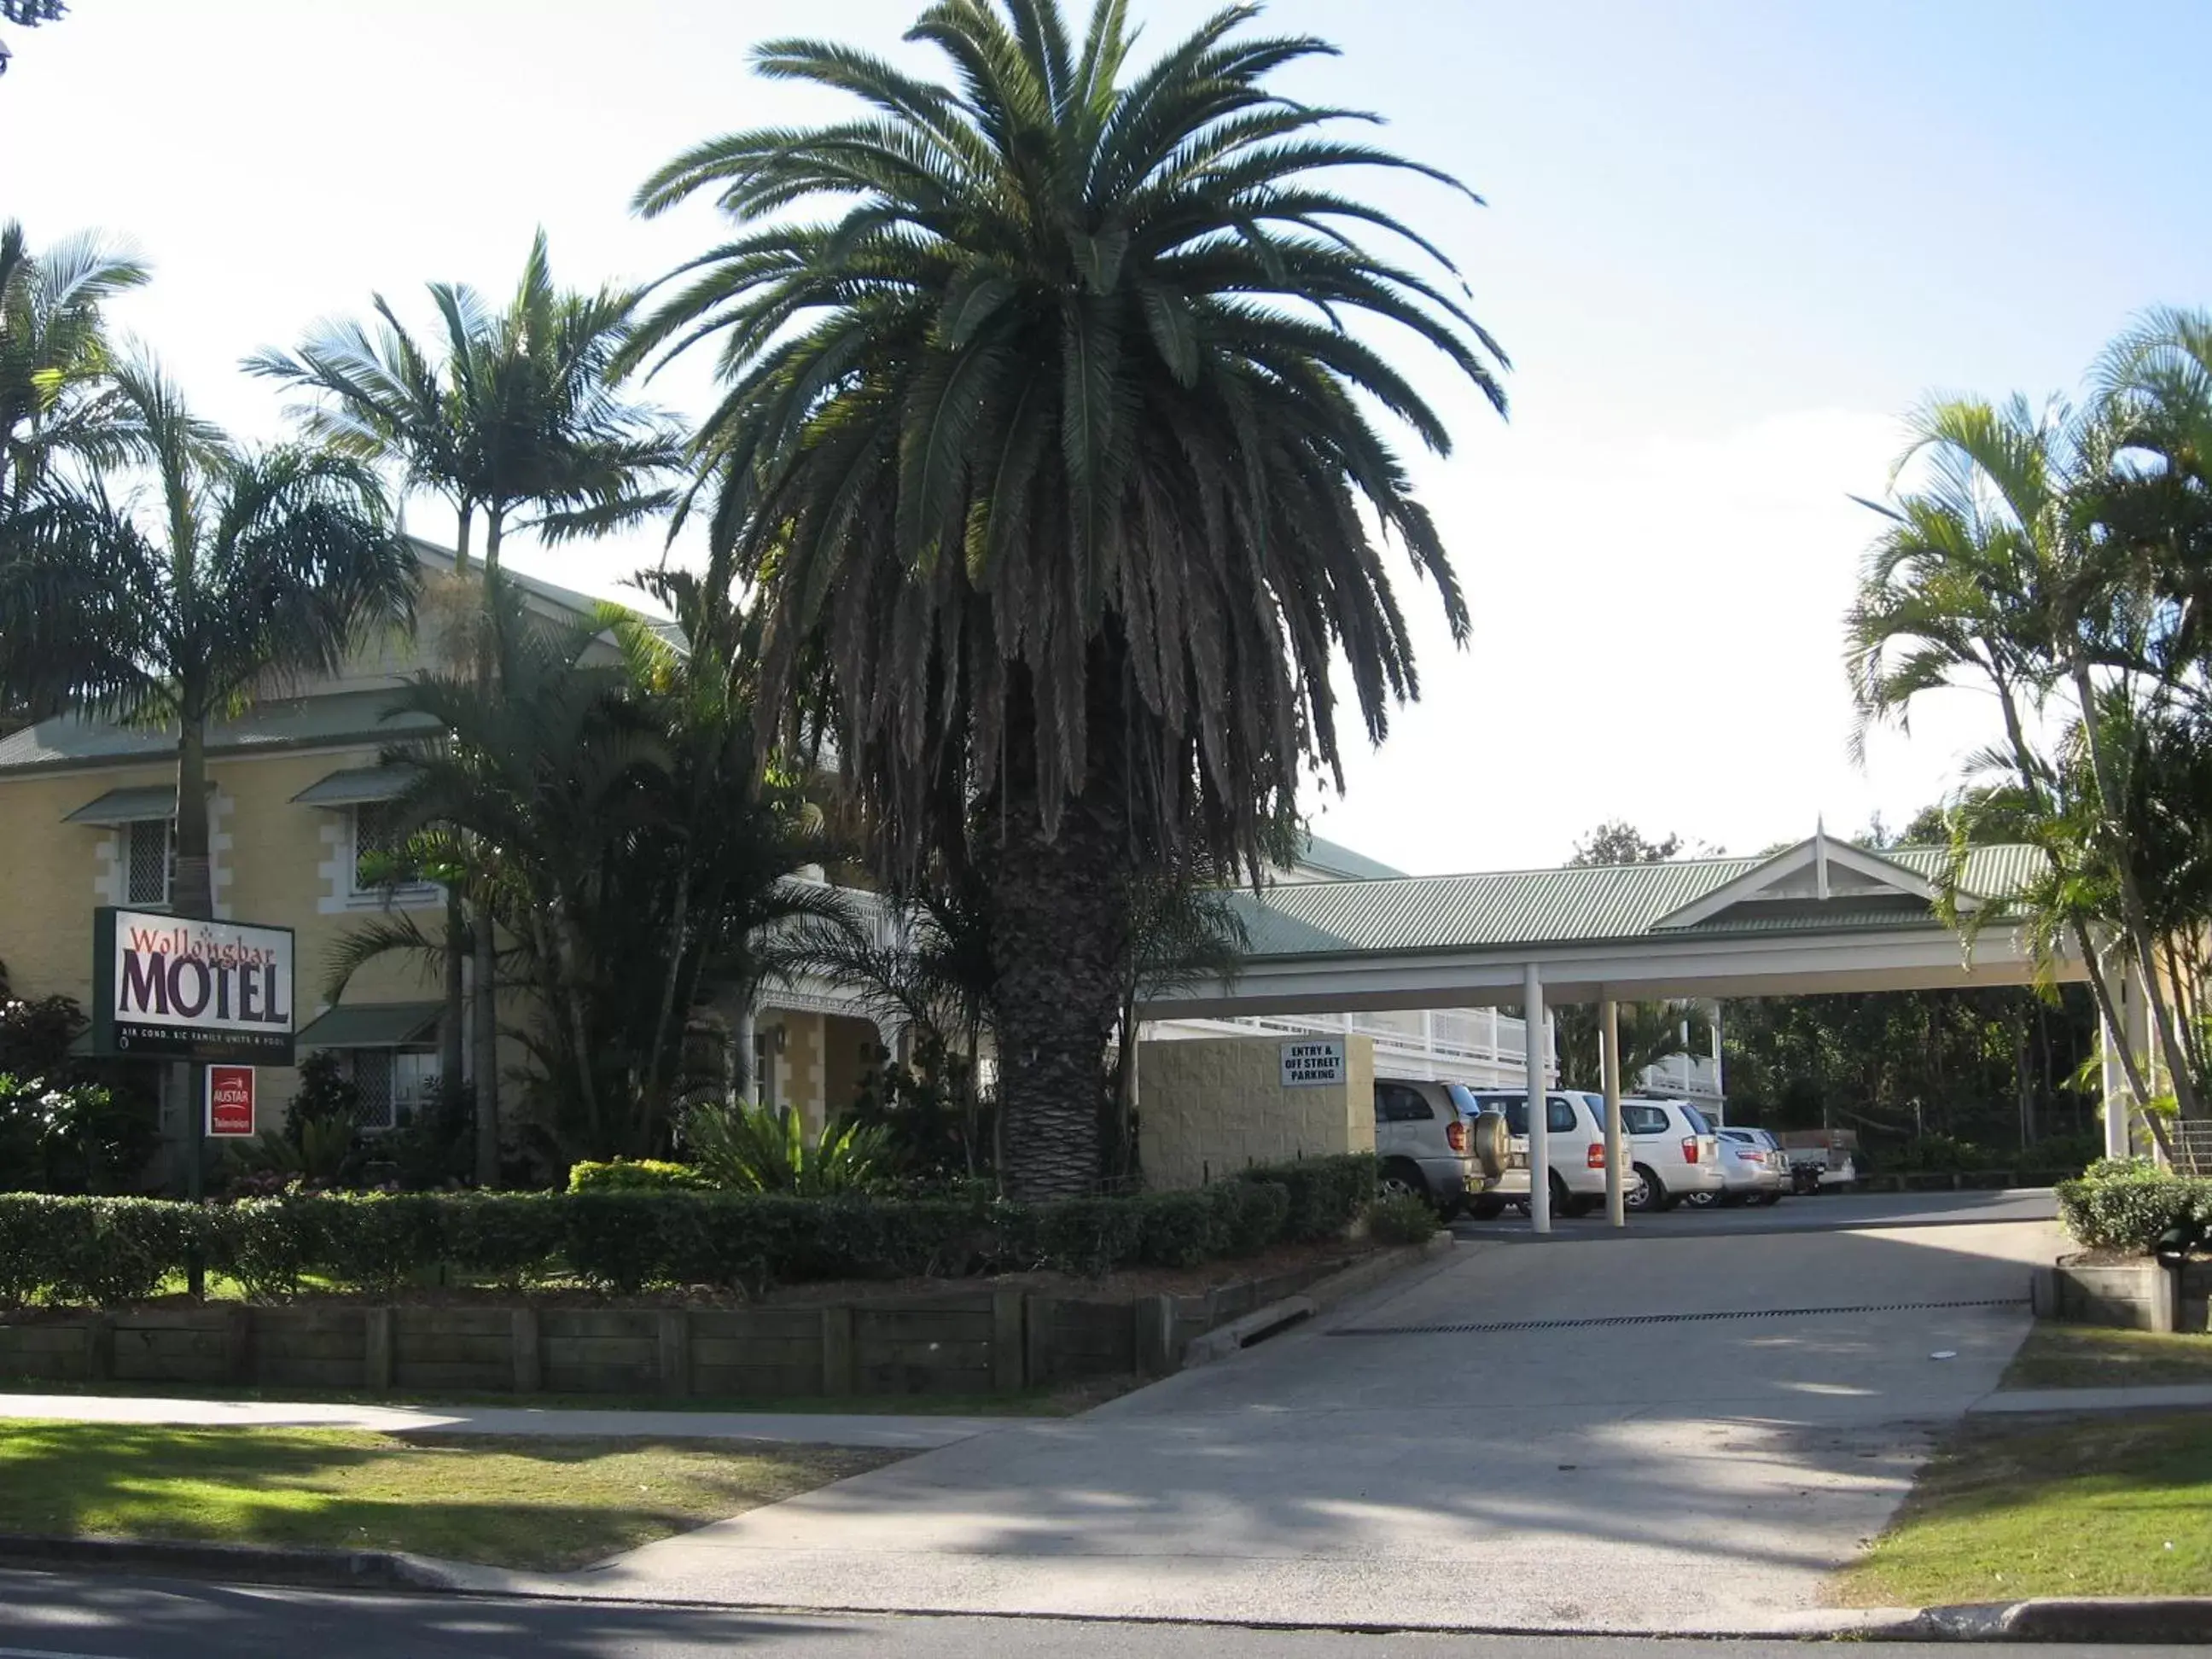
point(372, 1025)
point(120, 806)
point(355, 786)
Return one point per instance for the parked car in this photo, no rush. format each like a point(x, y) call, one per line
point(1673, 1151)
point(1822, 1157)
point(1756, 1169)
point(1575, 1123)
point(1430, 1142)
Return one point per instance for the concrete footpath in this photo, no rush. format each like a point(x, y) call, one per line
point(888, 1433)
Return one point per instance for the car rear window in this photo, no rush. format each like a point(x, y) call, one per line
point(1516, 1107)
point(1696, 1119)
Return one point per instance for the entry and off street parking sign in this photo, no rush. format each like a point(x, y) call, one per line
point(1313, 1063)
point(230, 1100)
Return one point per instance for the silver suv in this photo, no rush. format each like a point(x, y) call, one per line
point(1430, 1140)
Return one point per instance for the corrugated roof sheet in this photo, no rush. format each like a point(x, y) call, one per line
point(141, 805)
point(1341, 860)
point(371, 1025)
point(356, 784)
point(1558, 907)
point(290, 722)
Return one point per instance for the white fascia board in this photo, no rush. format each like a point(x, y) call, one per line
point(1917, 958)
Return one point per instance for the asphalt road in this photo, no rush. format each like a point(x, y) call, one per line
point(1821, 1213)
point(45, 1616)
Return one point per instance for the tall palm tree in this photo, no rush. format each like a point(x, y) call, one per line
point(516, 416)
point(240, 569)
point(1984, 576)
point(54, 398)
point(590, 808)
point(1053, 456)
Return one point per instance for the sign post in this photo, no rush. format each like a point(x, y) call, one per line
point(215, 995)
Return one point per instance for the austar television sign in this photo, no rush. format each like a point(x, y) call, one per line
point(166, 988)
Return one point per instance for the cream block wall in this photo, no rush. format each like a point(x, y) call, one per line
point(1210, 1107)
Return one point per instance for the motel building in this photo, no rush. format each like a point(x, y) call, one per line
point(298, 804)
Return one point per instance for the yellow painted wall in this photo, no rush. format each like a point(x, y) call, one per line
point(271, 872)
point(799, 1084)
point(1211, 1107)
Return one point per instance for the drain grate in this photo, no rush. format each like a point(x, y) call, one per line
point(1499, 1325)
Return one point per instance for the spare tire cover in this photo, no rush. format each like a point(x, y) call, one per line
point(1493, 1143)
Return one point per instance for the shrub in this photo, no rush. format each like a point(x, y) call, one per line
point(267, 1244)
point(2127, 1204)
point(1326, 1195)
point(377, 1241)
point(513, 1237)
point(1400, 1219)
point(1252, 1214)
point(624, 1174)
point(1180, 1230)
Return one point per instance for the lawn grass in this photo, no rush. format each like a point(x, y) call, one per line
point(1059, 1400)
point(2106, 1506)
point(537, 1504)
point(2093, 1356)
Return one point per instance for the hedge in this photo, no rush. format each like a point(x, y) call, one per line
point(2129, 1204)
point(110, 1251)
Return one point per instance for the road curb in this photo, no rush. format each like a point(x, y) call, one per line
point(1317, 1298)
point(324, 1569)
point(2173, 1619)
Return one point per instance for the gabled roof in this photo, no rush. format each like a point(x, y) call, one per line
point(1599, 903)
point(1820, 872)
point(1332, 858)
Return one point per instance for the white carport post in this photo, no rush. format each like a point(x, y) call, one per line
point(1540, 1138)
point(1608, 1025)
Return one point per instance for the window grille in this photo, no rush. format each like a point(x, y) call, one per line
point(372, 1082)
point(150, 859)
point(374, 840)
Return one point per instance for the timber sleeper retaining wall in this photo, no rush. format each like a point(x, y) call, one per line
point(988, 1342)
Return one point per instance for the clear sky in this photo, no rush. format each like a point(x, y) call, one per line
point(1728, 243)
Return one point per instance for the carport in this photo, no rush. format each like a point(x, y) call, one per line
point(1822, 916)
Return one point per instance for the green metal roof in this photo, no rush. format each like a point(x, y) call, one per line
point(283, 723)
point(371, 1025)
point(356, 784)
point(153, 801)
point(1569, 905)
point(1332, 858)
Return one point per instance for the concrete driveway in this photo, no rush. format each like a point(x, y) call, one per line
point(1652, 1432)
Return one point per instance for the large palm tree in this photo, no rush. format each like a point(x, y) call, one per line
point(1985, 575)
point(1053, 456)
point(240, 569)
point(55, 397)
point(516, 416)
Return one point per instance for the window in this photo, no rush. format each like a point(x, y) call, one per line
point(1640, 1120)
point(393, 1084)
point(1396, 1104)
point(376, 840)
point(149, 861)
point(1559, 1115)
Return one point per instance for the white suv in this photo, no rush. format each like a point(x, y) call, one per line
point(1575, 1123)
point(1674, 1153)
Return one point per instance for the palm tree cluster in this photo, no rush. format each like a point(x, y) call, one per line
point(1047, 491)
point(2054, 555)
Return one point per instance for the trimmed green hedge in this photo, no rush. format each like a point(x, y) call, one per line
point(2128, 1205)
point(110, 1251)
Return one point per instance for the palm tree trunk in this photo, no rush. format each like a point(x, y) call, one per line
point(485, 950)
point(679, 923)
point(2133, 914)
point(1060, 940)
point(191, 893)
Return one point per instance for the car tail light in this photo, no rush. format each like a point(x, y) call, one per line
point(1751, 1154)
point(1690, 1150)
point(1597, 1155)
point(1456, 1134)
